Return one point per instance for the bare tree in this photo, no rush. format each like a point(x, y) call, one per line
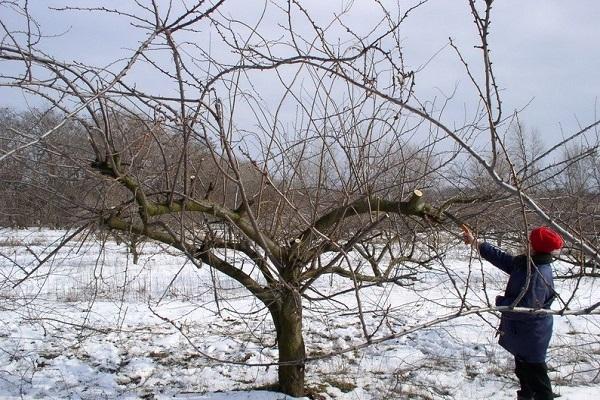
point(279, 143)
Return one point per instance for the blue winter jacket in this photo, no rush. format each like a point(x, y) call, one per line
point(524, 335)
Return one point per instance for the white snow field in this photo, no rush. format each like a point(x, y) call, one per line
point(89, 324)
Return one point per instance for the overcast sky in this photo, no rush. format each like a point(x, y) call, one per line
point(546, 52)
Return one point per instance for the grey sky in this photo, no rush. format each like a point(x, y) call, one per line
point(543, 50)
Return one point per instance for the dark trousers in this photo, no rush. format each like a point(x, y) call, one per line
point(533, 377)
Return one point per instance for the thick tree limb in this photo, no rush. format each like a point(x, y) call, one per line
point(366, 205)
point(203, 254)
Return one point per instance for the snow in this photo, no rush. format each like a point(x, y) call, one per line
point(89, 324)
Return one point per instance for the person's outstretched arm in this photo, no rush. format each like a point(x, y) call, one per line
point(497, 257)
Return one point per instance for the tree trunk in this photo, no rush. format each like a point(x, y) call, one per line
point(287, 316)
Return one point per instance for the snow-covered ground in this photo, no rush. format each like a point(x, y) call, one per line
point(89, 324)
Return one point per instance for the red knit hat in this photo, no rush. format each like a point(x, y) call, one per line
point(545, 240)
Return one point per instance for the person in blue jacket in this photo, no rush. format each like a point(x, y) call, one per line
point(526, 335)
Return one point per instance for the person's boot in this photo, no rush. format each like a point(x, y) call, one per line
point(524, 395)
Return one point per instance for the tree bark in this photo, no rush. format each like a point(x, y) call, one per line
point(287, 316)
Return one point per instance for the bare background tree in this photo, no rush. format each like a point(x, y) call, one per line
point(278, 154)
